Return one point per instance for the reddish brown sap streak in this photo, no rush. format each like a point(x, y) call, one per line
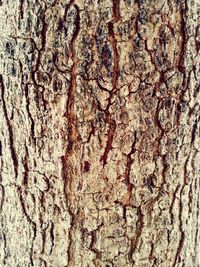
point(116, 10)
point(111, 131)
point(109, 120)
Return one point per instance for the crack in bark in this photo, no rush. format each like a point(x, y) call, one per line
point(10, 129)
point(2, 196)
point(28, 105)
point(111, 131)
point(72, 138)
point(31, 222)
point(172, 204)
point(70, 114)
point(128, 166)
point(4, 247)
point(109, 120)
point(52, 237)
point(26, 167)
point(116, 10)
point(21, 9)
point(181, 66)
point(134, 241)
point(75, 218)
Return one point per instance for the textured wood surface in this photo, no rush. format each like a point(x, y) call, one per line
point(99, 133)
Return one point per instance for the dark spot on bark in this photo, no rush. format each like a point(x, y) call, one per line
point(55, 57)
point(106, 56)
point(194, 128)
point(60, 24)
point(9, 48)
point(13, 71)
point(142, 17)
point(57, 85)
point(8, 45)
point(138, 44)
point(85, 68)
point(167, 103)
point(162, 37)
point(158, 61)
point(105, 15)
point(182, 106)
point(140, 2)
point(129, 2)
point(150, 182)
point(108, 265)
point(197, 90)
point(86, 166)
point(70, 144)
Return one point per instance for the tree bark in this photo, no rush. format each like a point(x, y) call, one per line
point(99, 133)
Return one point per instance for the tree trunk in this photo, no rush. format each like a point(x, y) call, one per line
point(99, 133)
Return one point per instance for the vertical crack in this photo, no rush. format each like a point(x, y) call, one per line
point(111, 131)
point(52, 236)
point(128, 167)
point(182, 236)
point(26, 167)
point(21, 9)
point(134, 241)
point(72, 138)
point(109, 120)
point(10, 129)
point(181, 67)
point(2, 196)
point(31, 222)
point(116, 10)
point(4, 248)
point(93, 244)
point(70, 113)
point(0, 149)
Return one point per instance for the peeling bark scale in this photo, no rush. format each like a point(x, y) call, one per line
point(99, 133)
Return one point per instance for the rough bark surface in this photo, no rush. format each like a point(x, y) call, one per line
point(99, 133)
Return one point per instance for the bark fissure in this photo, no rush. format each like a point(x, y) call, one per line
point(10, 128)
point(31, 222)
point(73, 134)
